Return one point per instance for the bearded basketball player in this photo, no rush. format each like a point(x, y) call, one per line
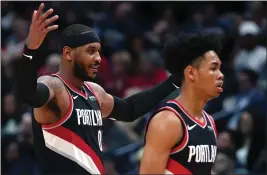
point(180, 136)
point(68, 109)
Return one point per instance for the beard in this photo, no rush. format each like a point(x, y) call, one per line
point(80, 72)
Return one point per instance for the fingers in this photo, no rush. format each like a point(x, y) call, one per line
point(39, 11)
point(45, 15)
point(50, 28)
point(48, 22)
point(41, 21)
point(34, 15)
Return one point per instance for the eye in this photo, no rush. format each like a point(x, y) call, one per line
point(91, 52)
point(213, 68)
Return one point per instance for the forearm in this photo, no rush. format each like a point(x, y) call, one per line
point(133, 107)
point(153, 164)
point(27, 88)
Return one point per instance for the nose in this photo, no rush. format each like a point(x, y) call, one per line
point(221, 76)
point(98, 58)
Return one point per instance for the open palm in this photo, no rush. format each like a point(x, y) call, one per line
point(40, 26)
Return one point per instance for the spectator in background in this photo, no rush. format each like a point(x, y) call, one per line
point(14, 44)
point(10, 115)
point(150, 70)
point(20, 154)
point(225, 162)
point(226, 140)
point(251, 55)
point(249, 94)
point(251, 134)
point(10, 156)
point(51, 66)
point(117, 81)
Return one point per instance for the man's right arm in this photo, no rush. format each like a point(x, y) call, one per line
point(28, 89)
point(35, 92)
point(164, 131)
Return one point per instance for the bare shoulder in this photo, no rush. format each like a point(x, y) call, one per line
point(165, 127)
point(97, 89)
point(94, 86)
point(165, 121)
point(52, 82)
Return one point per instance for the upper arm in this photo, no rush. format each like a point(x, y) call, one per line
point(54, 85)
point(163, 132)
point(106, 101)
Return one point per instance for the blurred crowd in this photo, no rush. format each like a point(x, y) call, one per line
point(132, 35)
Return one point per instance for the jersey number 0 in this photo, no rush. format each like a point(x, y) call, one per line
point(100, 139)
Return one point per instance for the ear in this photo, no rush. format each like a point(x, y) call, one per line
point(190, 72)
point(67, 53)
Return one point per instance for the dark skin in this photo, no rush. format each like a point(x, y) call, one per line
point(86, 57)
point(202, 83)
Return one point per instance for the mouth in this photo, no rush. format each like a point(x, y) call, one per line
point(219, 86)
point(95, 68)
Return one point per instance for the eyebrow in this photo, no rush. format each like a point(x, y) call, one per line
point(93, 47)
point(215, 63)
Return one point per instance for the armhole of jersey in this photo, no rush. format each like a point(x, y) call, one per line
point(212, 123)
point(92, 91)
point(184, 140)
point(63, 119)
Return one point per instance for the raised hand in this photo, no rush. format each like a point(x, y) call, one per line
point(40, 26)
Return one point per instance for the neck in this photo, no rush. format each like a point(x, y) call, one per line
point(190, 100)
point(68, 75)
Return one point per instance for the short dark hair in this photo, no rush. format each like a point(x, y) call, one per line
point(181, 51)
point(72, 30)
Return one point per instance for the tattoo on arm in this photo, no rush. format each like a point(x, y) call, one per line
point(54, 84)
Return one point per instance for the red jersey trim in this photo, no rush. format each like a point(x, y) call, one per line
point(203, 125)
point(212, 123)
point(63, 119)
point(176, 168)
point(92, 91)
point(62, 133)
point(74, 89)
point(182, 145)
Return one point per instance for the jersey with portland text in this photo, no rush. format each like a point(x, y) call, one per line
point(195, 153)
point(73, 145)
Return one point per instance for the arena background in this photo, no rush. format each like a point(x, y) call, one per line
point(132, 35)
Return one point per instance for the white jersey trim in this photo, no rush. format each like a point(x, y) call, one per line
point(70, 151)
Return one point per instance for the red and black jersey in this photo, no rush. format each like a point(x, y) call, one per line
point(195, 153)
point(73, 145)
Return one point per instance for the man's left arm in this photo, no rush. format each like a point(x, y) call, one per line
point(135, 106)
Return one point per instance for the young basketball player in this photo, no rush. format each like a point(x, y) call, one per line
point(180, 136)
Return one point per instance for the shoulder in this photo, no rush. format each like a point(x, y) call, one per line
point(164, 127)
point(98, 91)
point(52, 82)
point(164, 120)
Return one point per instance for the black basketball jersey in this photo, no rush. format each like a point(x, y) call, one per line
point(195, 153)
point(73, 145)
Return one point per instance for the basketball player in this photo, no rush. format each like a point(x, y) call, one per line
point(68, 110)
point(181, 137)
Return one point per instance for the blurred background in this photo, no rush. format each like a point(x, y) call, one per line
point(132, 36)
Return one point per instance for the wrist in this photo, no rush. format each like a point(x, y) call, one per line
point(30, 52)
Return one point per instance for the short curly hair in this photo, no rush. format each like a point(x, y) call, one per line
point(186, 49)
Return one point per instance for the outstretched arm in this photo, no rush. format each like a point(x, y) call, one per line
point(135, 106)
point(28, 89)
point(163, 132)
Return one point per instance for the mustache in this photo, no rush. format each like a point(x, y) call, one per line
point(96, 64)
